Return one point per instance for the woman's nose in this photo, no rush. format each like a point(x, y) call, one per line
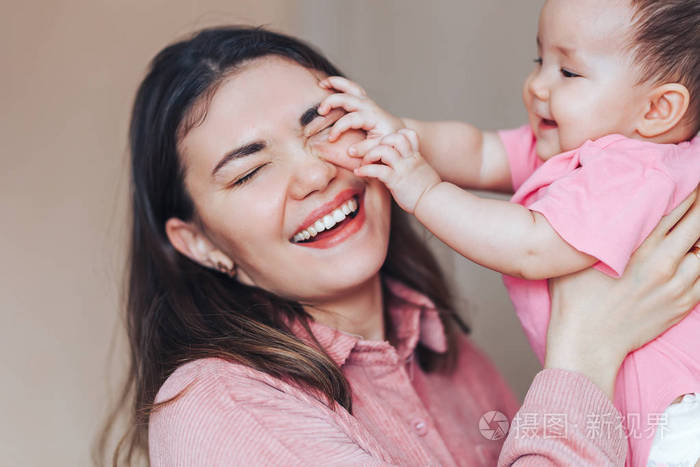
point(311, 173)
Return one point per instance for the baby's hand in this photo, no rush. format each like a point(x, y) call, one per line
point(402, 169)
point(363, 114)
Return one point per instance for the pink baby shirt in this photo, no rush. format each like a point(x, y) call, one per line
point(604, 199)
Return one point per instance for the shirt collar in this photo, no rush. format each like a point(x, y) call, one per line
point(413, 317)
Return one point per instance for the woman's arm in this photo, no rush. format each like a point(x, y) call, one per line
point(595, 322)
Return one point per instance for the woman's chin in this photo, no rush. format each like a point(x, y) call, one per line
point(341, 287)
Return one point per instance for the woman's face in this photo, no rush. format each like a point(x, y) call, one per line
point(276, 187)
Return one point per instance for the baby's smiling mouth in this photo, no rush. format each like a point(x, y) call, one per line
point(546, 123)
point(327, 222)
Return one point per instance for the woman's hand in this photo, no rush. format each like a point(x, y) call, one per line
point(597, 320)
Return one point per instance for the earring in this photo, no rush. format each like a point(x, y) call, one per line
point(222, 268)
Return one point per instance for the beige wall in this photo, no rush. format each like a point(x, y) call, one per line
point(69, 71)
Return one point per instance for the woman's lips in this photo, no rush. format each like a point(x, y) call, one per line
point(328, 207)
point(336, 235)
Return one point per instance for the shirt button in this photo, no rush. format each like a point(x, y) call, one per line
point(420, 426)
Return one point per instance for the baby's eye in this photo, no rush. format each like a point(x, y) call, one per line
point(538, 61)
point(568, 74)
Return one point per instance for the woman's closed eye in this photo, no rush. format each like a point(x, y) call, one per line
point(322, 131)
point(248, 176)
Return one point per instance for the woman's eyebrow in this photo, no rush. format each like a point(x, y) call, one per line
point(309, 115)
point(241, 151)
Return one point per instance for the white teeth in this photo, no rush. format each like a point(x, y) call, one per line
point(327, 222)
point(338, 216)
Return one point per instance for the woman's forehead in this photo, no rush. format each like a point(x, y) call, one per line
point(265, 98)
point(269, 88)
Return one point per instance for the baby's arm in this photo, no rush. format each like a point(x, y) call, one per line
point(461, 153)
point(499, 235)
point(464, 155)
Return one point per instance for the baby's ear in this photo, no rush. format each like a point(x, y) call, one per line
point(666, 106)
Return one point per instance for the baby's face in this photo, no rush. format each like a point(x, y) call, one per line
point(584, 82)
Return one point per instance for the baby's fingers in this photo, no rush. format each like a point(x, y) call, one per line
point(342, 84)
point(361, 148)
point(412, 138)
point(387, 154)
point(344, 101)
point(399, 142)
point(351, 121)
point(379, 171)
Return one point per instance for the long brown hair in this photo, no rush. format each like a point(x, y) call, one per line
point(178, 311)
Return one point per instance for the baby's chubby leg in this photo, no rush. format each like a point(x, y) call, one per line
point(677, 441)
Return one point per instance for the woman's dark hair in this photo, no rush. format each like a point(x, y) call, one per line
point(178, 311)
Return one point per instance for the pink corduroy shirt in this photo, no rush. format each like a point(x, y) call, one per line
point(232, 414)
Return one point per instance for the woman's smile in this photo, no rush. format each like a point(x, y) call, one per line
point(333, 222)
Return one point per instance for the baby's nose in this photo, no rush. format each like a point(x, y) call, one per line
point(539, 88)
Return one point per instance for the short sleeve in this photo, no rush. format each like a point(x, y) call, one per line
point(608, 206)
point(522, 158)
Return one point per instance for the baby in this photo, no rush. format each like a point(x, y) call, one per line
point(614, 107)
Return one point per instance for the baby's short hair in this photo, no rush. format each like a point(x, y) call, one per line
point(666, 43)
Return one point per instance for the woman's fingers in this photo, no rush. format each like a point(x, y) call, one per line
point(343, 85)
point(687, 274)
point(685, 233)
point(657, 244)
point(668, 221)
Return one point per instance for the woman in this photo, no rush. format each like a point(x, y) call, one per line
point(262, 344)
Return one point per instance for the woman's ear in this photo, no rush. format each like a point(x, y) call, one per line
point(191, 242)
point(667, 105)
